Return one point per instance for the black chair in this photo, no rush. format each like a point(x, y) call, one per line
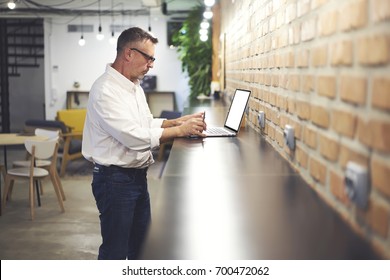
point(70, 149)
point(165, 148)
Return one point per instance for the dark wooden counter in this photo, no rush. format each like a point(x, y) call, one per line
point(237, 198)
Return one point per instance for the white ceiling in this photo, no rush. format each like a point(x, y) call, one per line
point(46, 6)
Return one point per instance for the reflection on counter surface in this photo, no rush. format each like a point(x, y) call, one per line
point(237, 198)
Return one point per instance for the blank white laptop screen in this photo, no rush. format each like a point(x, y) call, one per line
point(237, 109)
point(234, 116)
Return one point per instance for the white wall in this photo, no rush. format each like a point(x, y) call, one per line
point(67, 62)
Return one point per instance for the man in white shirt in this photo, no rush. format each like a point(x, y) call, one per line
point(118, 137)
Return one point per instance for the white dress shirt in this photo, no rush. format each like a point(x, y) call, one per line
point(119, 127)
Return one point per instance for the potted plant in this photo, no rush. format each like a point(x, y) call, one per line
point(195, 54)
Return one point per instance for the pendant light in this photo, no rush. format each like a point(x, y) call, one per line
point(82, 40)
point(100, 35)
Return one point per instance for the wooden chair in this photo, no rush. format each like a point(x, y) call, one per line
point(43, 163)
point(70, 147)
point(73, 119)
point(39, 150)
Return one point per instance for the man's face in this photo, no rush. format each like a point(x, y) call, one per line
point(143, 59)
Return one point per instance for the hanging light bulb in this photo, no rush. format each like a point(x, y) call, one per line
point(209, 3)
point(208, 14)
point(204, 24)
point(81, 41)
point(203, 32)
point(100, 35)
point(11, 5)
point(112, 39)
point(204, 37)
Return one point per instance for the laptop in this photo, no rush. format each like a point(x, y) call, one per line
point(234, 116)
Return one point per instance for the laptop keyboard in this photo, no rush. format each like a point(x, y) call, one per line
point(216, 130)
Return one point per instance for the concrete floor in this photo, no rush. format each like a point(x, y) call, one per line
point(73, 235)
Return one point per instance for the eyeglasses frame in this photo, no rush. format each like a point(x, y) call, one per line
point(148, 57)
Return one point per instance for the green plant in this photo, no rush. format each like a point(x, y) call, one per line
point(195, 54)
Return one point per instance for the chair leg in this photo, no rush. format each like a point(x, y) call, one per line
point(5, 193)
point(64, 162)
point(58, 179)
point(31, 197)
point(10, 188)
point(40, 187)
point(57, 190)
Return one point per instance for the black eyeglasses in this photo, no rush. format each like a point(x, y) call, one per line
point(148, 57)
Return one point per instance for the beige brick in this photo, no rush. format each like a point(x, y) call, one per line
point(272, 99)
point(319, 56)
point(303, 109)
point(329, 148)
point(303, 58)
point(298, 128)
point(289, 60)
point(353, 15)
point(380, 176)
point(353, 89)
point(307, 83)
point(380, 10)
point(374, 50)
point(342, 53)
point(283, 38)
point(294, 82)
point(317, 3)
point(308, 30)
point(375, 133)
point(281, 102)
point(271, 132)
point(302, 157)
point(326, 86)
point(364, 132)
point(377, 217)
point(347, 154)
point(310, 137)
point(291, 12)
point(267, 79)
point(279, 138)
point(337, 188)
point(344, 122)
point(320, 116)
point(327, 23)
point(381, 92)
point(303, 7)
point(294, 34)
point(317, 170)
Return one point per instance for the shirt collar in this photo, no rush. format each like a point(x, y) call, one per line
point(124, 82)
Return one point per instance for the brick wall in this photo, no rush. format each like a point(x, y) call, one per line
point(322, 66)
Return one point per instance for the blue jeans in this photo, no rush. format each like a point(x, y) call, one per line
point(122, 199)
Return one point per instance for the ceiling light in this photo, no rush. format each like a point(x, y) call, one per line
point(204, 24)
point(100, 35)
point(209, 3)
point(112, 39)
point(203, 32)
point(82, 41)
point(11, 5)
point(208, 14)
point(204, 38)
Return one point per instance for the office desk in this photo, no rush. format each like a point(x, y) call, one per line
point(237, 198)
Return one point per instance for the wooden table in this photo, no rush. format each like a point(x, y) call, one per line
point(239, 199)
point(13, 139)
